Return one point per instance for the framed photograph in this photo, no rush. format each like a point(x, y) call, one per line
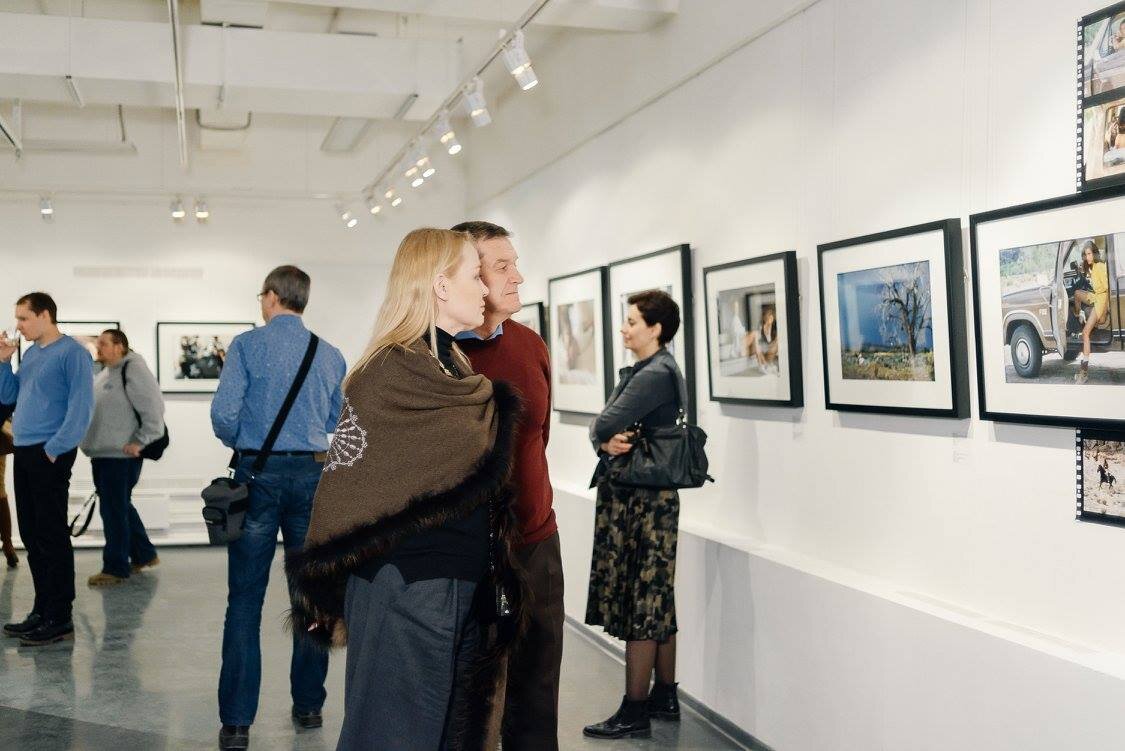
point(893, 319)
point(1100, 466)
point(190, 355)
point(1101, 98)
point(668, 270)
point(534, 316)
point(1047, 279)
point(754, 331)
point(85, 333)
point(581, 367)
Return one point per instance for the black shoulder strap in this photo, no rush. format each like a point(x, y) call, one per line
point(275, 431)
point(125, 390)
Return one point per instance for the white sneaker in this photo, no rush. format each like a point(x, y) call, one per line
point(1082, 317)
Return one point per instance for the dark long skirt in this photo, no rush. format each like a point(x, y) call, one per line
point(633, 571)
point(408, 645)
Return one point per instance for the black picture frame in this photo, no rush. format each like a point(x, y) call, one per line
point(793, 328)
point(158, 369)
point(975, 221)
point(955, 305)
point(1111, 96)
point(687, 323)
point(539, 312)
point(1081, 435)
point(602, 299)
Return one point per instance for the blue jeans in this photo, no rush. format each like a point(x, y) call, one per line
point(125, 537)
point(280, 498)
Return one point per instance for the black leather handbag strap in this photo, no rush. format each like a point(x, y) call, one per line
point(290, 398)
point(76, 529)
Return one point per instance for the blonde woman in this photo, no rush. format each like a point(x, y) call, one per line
point(1093, 268)
point(411, 509)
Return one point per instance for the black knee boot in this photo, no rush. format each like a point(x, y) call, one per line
point(630, 721)
point(664, 702)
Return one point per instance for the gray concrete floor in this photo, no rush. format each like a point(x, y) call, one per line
point(141, 673)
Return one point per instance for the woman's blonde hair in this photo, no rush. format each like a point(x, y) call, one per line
point(410, 309)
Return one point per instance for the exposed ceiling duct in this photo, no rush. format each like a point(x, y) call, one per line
point(64, 145)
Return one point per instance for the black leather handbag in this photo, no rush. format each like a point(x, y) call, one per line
point(154, 450)
point(226, 500)
point(665, 457)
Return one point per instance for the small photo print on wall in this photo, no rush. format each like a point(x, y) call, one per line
point(579, 363)
point(753, 332)
point(1103, 140)
point(191, 355)
point(532, 315)
point(1103, 51)
point(1100, 465)
point(886, 323)
point(893, 322)
point(85, 333)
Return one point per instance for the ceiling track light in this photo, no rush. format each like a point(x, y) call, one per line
point(177, 208)
point(346, 216)
point(373, 206)
point(396, 202)
point(475, 103)
point(518, 63)
point(446, 136)
point(46, 209)
point(389, 193)
point(202, 213)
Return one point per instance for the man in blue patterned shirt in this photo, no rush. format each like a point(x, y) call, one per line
point(259, 370)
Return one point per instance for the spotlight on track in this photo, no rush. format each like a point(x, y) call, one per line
point(202, 213)
point(446, 135)
point(178, 212)
point(518, 63)
point(373, 206)
point(46, 209)
point(475, 104)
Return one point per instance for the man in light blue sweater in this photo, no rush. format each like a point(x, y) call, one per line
point(54, 397)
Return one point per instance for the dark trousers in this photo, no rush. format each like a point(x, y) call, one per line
point(531, 708)
point(42, 489)
point(410, 652)
point(281, 497)
point(125, 537)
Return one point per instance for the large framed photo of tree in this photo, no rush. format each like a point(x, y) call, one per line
point(892, 313)
point(1047, 282)
point(754, 331)
point(667, 270)
point(580, 363)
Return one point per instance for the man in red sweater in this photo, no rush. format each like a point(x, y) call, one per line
point(504, 350)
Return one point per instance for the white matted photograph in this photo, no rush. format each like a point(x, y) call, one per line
point(893, 322)
point(190, 355)
point(580, 367)
point(1046, 287)
point(754, 331)
point(667, 270)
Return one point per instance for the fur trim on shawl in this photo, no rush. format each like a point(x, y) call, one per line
point(318, 574)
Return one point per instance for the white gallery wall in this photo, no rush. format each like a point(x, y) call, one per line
point(850, 581)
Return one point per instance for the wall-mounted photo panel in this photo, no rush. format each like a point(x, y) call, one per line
point(84, 332)
point(667, 270)
point(1100, 483)
point(1047, 279)
point(754, 331)
point(893, 321)
point(534, 316)
point(190, 355)
point(580, 364)
point(1101, 98)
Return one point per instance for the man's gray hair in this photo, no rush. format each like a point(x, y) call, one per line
point(291, 285)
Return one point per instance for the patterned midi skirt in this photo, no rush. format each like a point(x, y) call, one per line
point(633, 571)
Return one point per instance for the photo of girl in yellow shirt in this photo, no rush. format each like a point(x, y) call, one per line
point(1097, 297)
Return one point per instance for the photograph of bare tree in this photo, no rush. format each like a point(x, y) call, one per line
point(886, 326)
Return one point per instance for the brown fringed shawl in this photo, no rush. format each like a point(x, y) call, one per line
point(414, 448)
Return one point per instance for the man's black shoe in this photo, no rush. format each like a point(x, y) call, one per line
point(48, 632)
point(234, 737)
point(664, 702)
point(630, 721)
point(308, 720)
point(27, 625)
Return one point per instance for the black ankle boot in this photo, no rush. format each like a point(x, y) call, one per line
point(664, 702)
point(630, 721)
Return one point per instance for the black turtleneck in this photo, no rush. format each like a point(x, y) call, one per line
point(457, 549)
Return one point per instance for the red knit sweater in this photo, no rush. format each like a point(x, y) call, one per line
point(519, 356)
